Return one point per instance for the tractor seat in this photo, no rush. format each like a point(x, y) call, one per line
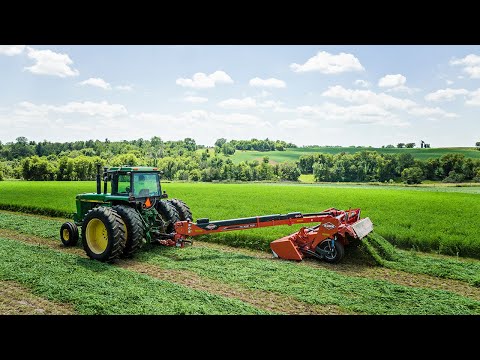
point(144, 193)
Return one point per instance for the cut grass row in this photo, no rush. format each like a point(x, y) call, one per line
point(381, 251)
point(314, 286)
point(97, 288)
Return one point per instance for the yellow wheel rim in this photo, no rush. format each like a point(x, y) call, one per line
point(66, 234)
point(96, 236)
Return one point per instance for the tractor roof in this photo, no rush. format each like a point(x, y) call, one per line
point(133, 168)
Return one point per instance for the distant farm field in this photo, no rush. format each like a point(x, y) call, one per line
point(426, 219)
point(294, 154)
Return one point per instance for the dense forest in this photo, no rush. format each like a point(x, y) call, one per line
point(186, 160)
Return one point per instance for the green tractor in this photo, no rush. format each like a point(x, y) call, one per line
point(118, 223)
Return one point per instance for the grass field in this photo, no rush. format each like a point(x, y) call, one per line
point(421, 218)
point(294, 154)
point(164, 280)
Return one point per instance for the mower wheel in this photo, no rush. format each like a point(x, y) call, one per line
point(134, 228)
point(103, 234)
point(69, 234)
point(335, 253)
point(183, 210)
point(169, 214)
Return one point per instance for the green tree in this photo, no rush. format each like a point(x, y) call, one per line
point(220, 142)
point(289, 171)
point(400, 145)
point(228, 149)
point(410, 145)
point(413, 175)
point(454, 177)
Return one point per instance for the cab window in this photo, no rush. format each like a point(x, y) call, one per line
point(145, 185)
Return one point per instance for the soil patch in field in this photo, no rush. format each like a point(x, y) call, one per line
point(17, 300)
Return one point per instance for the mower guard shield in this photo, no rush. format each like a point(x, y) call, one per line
point(285, 249)
point(363, 227)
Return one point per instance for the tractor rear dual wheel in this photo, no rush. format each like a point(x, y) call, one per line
point(183, 210)
point(134, 229)
point(103, 234)
point(169, 215)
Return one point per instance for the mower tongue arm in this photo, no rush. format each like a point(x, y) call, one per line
point(336, 226)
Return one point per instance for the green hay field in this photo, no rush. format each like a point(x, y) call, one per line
point(420, 218)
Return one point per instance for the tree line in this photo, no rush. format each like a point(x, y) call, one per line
point(186, 160)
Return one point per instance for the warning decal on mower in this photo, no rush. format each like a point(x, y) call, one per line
point(328, 226)
point(211, 226)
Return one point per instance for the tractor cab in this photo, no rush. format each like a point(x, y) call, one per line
point(136, 183)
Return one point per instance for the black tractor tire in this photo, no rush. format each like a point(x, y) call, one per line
point(336, 255)
point(135, 229)
point(69, 234)
point(183, 210)
point(169, 214)
point(103, 234)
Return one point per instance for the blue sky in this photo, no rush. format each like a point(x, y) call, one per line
point(326, 95)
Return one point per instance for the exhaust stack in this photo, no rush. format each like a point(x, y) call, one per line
point(99, 184)
point(105, 179)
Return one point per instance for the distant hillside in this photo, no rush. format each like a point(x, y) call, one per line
point(294, 154)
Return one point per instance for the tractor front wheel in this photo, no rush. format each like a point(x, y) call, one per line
point(69, 234)
point(331, 253)
point(103, 234)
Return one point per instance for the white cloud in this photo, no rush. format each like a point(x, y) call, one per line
point(213, 125)
point(124, 87)
point(391, 81)
point(431, 112)
point(473, 71)
point(327, 63)
point(270, 104)
point(368, 96)
point(449, 82)
point(362, 83)
point(471, 64)
point(203, 81)
point(355, 114)
point(445, 94)
point(97, 82)
point(469, 60)
point(264, 94)
point(50, 63)
point(474, 98)
point(296, 123)
point(87, 107)
point(245, 103)
point(11, 50)
point(271, 82)
point(195, 99)
point(381, 101)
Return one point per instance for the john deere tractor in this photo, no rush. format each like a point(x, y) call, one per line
point(118, 223)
